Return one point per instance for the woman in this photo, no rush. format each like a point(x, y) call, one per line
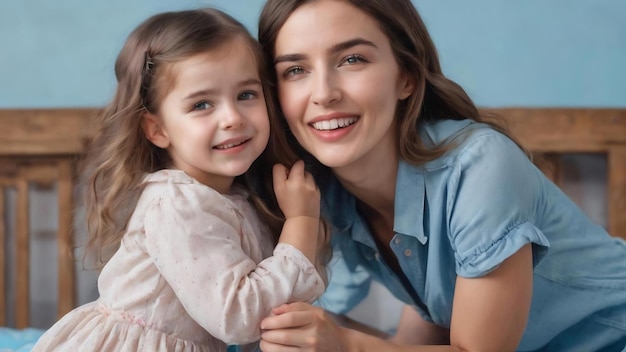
point(429, 198)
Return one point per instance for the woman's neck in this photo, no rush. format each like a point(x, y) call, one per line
point(372, 180)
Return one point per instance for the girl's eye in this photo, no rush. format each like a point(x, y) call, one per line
point(247, 95)
point(353, 59)
point(292, 71)
point(202, 105)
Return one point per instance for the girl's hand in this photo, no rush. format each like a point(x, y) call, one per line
point(299, 200)
point(296, 191)
point(300, 326)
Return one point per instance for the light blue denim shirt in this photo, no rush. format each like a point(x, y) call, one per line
point(465, 213)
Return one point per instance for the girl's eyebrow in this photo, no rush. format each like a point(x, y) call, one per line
point(333, 50)
point(205, 92)
point(249, 82)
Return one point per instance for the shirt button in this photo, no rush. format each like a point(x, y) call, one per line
point(397, 240)
point(377, 256)
point(407, 252)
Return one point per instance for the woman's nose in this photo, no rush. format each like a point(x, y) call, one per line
point(325, 90)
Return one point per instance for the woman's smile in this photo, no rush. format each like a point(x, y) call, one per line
point(325, 63)
point(333, 124)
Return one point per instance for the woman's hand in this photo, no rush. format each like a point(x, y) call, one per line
point(301, 327)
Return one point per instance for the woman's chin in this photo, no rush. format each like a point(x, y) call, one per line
point(334, 159)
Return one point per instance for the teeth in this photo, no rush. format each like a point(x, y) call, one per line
point(230, 145)
point(334, 123)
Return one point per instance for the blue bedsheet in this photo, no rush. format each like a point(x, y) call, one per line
point(12, 340)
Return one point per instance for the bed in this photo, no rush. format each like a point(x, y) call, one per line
point(39, 149)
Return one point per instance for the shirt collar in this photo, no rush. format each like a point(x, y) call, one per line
point(409, 203)
point(340, 207)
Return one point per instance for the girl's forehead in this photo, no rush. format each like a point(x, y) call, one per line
point(221, 66)
point(217, 55)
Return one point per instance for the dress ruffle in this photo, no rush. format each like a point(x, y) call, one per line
point(94, 328)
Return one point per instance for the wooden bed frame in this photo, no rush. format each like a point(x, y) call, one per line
point(41, 146)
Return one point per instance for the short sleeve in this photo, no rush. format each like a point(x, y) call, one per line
point(194, 238)
point(496, 195)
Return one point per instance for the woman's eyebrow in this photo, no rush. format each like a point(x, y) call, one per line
point(333, 50)
point(349, 44)
point(289, 58)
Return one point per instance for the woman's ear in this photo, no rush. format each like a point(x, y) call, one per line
point(406, 86)
point(154, 131)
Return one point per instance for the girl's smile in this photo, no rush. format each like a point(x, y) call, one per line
point(214, 121)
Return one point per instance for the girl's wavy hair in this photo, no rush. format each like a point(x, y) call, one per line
point(435, 97)
point(119, 155)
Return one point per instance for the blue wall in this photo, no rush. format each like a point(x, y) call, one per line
point(505, 53)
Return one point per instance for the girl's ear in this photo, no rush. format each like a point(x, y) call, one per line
point(154, 131)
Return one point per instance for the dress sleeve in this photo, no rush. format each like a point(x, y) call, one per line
point(194, 238)
point(496, 195)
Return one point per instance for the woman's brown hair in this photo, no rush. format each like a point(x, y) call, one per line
point(119, 155)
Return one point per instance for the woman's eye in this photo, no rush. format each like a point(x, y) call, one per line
point(292, 71)
point(353, 59)
point(203, 105)
point(247, 95)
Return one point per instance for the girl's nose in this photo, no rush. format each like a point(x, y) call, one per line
point(232, 118)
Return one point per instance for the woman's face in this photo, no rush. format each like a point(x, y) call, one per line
point(338, 83)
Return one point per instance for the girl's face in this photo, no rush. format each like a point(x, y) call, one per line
point(339, 83)
point(214, 121)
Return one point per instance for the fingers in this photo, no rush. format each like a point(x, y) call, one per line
point(287, 331)
point(287, 320)
point(296, 191)
point(293, 307)
point(290, 315)
point(301, 326)
point(279, 172)
point(297, 170)
point(267, 346)
point(297, 173)
point(282, 174)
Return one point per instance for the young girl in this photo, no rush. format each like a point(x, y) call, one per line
point(427, 197)
point(194, 268)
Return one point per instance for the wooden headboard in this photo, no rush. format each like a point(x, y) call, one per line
point(41, 146)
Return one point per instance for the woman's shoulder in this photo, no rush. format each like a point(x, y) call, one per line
point(470, 141)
